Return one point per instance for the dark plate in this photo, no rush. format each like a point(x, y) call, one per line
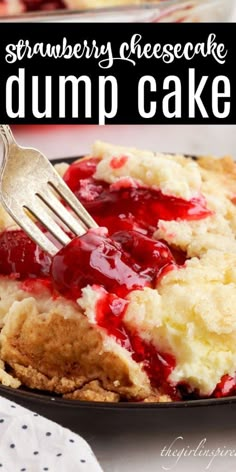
point(75, 414)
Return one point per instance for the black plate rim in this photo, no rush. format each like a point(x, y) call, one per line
point(54, 400)
point(48, 399)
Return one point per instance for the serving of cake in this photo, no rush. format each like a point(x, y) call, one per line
point(141, 309)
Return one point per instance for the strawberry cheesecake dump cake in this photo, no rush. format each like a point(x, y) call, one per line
point(140, 309)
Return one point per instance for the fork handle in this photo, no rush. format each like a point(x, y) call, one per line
point(7, 135)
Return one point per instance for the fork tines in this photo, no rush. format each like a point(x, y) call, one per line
point(32, 191)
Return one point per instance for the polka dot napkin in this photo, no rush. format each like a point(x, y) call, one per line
point(31, 443)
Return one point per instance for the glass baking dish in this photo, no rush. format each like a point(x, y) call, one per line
point(125, 11)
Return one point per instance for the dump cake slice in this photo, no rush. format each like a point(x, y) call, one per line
point(142, 308)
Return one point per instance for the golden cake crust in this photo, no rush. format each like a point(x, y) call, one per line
point(57, 353)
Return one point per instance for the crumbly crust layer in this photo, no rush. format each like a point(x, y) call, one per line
point(50, 345)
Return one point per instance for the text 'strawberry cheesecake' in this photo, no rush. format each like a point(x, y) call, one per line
point(141, 308)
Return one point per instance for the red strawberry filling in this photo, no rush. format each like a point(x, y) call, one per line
point(226, 387)
point(110, 311)
point(122, 260)
point(127, 207)
point(35, 5)
point(22, 258)
point(117, 263)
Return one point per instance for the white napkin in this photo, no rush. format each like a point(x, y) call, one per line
point(31, 443)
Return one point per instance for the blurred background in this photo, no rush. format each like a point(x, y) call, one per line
point(120, 10)
point(65, 140)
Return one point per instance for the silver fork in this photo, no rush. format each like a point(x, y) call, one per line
point(29, 186)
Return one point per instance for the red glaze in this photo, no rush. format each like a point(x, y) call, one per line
point(35, 5)
point(118, 267)
point(119, 207)
point(79, 171)
point(35, 286)
point(118, 162)
point(157, 365)
point(152, 256)
point(226, 387)
point(110, 311)
point(122, 263)
point(21, 258)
